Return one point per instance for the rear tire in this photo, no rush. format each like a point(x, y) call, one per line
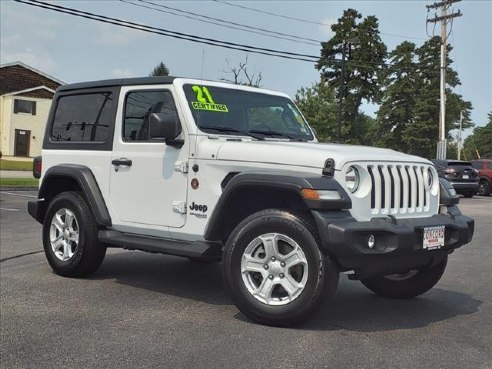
point(469, 195)
point(273, 268)
point(70, 237)
point(407, 285)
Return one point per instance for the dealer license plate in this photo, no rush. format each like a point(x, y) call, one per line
point(433, 237)
point(465, 176)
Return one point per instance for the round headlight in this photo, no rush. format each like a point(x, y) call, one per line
point(352, 179)
point(430, 178)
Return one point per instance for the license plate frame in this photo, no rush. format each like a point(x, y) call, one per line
point(433, 238)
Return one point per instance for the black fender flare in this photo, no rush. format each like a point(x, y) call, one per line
point(287, 181)
point(87, 184)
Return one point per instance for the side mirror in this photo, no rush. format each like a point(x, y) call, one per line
point(165, 126)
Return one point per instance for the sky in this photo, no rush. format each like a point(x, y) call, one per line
point(74, 49)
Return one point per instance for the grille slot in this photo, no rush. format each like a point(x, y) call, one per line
point(399, 188)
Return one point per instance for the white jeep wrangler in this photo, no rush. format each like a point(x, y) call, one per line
point(214, 171)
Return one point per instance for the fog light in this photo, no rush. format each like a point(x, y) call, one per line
point(371, 241)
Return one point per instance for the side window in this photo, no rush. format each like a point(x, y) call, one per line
point(477, 165)
point(489, 165)
point(82, 118)
point(139, 105)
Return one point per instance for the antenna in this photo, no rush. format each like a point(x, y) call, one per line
point(203, 61)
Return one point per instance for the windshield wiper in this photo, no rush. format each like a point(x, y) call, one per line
point(234, 130)
point(271, 133)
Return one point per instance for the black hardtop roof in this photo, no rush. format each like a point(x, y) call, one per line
point(118, 82)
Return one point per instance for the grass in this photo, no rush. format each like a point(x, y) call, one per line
point(15, 165)
point(19, 182)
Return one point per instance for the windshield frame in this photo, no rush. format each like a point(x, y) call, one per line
point(305, 133)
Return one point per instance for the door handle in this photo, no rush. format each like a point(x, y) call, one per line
point(122, 161)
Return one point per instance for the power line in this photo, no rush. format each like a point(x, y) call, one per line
point(194, 38)
point(174, 34)
point(224, 23)
point(273, 14)
point(304, 20)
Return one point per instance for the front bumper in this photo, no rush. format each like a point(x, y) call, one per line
point(398, 243)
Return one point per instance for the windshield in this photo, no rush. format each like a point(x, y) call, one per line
point(237, 112)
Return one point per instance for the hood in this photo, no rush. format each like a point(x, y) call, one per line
point(303, 154)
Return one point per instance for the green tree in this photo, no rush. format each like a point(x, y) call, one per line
point(363, 69)
point(397, 108)
point(479, 142)
point(319, 106)
point(420, 134)
point(160, 70)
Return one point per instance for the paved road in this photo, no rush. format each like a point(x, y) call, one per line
point(141, 310)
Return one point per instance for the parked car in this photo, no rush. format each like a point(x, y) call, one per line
point(484, 167)
point(461, 174)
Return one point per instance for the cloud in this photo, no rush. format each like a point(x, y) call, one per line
point(121, 73)
point(117, 36)
point(41, 60)
point(43, 27)
point(27, 37)
point(325, 30)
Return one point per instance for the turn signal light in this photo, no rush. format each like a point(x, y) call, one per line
point(310, 194)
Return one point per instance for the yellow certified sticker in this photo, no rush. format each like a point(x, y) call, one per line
point(210, 107)
point(205, 101)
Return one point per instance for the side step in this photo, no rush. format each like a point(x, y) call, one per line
point(199, 249)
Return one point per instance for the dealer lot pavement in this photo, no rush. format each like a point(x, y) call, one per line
point(141, 310)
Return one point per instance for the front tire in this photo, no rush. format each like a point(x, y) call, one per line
point(407, 285)
point(273, 268)
point(70, 237)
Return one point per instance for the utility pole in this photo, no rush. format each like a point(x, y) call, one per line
point(459, 135)
point(443, 18)
point(341, 89)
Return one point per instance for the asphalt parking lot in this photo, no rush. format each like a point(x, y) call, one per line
point(141, 310)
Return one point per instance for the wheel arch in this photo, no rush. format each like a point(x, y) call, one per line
point(246, 193)
point(71, 177)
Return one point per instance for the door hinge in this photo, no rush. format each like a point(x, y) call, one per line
point(179, 207)
point(181, 166)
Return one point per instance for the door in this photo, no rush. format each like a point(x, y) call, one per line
point(148, 184)
point(21, 144)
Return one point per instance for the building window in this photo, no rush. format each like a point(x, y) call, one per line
point(24, 106)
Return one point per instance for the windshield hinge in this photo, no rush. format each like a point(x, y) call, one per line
point(181, 166)
point(179, 207)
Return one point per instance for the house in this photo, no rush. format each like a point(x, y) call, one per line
point(25, 100)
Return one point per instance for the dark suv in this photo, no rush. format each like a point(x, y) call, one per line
point(484, 167)
point(461, 174)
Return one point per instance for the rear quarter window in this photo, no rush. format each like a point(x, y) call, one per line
point(83, 118)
